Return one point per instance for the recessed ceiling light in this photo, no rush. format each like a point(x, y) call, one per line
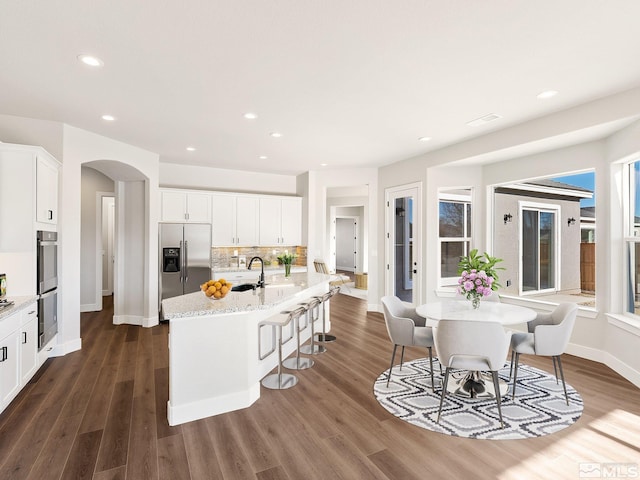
point(263, 157)
point(90, 60)
point(324, 164)
point(424, 139)
point(482, 120)
point(108, 118)
point(547, 94)
point(191, 149)
point(275, 134)
point(250, 116)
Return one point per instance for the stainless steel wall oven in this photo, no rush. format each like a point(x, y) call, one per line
point(47, 268)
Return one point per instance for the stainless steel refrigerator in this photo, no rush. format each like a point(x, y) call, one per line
point(185, 258)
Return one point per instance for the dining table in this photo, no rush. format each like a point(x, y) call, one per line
point(472, 384)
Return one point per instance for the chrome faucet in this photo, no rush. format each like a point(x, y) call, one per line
point(261, 280)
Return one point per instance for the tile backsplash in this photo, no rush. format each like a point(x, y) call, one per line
point(225, 258)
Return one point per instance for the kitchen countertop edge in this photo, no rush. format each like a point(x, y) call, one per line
point(20, 303)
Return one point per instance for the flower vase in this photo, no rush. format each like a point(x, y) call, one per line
point(287, 269)
point(475, 302)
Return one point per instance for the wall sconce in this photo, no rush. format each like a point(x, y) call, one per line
point(507, 218)
point(571, 221)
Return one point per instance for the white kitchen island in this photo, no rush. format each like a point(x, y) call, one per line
point(214, 366)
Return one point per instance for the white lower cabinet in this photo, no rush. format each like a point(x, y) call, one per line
point(28, 344)
point(9, 368)
point(18, 352)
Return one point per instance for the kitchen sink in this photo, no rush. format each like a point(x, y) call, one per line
point(244, 287)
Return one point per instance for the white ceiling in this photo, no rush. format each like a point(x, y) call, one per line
point(347, 82)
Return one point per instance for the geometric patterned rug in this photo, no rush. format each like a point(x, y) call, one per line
point(539, 407)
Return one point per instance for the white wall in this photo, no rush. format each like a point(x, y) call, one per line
point(31, 131)
point(228, 180)
point(92, 182)
point(131, 254)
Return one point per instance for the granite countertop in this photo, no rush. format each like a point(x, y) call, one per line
point(278, 289)
point(19, 304)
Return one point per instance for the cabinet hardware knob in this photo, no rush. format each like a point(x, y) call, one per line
point(4, 354)
point(24, 337)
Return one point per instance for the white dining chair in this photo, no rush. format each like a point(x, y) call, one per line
point(406, 329)
point(548, 335)
point(472, 345)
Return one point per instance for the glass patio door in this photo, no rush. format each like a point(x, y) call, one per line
point(538, 242)
point(403, 231)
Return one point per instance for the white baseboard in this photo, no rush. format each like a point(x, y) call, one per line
point(62, 349)
point(374, 307)
point(136, 320)
point(150, 321)
point(212, 406)
point(128, 319)
point(623, 369)
point(90, 307)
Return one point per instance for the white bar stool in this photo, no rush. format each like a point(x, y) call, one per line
point(323, 299)
point(279, 380)
point(298, 362)
point(313, 312)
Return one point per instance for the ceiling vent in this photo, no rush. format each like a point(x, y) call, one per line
point(482, 120)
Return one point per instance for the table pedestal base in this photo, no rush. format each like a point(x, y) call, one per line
point(474, 384)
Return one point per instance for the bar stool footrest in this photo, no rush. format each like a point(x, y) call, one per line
point(315, 350)
point(326, 338)
point(279, 382)
point(297, 364)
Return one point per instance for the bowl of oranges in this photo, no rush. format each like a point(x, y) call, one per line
point(216, 289)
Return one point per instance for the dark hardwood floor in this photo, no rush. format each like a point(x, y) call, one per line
point(101, 413)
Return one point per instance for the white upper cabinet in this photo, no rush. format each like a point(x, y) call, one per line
point(181, 206)
point(46, 190)
point(234, 220)
point(247, 221)
point(280, 221)
point(237, 219)
point(270, 219)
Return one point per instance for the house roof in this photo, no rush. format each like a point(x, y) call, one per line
point(546, 182)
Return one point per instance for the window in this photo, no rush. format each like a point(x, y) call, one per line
point(632, 240)
point(454, 234)
point(544, 230)
point(539, 245)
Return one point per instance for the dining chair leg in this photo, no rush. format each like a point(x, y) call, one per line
point(496, 386)
point(511, 366)
point(433, 387)
point(564, 385)
point(444, 391)
point(401, 357)
point(393, 357)
point(515, 375)
point(555, 368)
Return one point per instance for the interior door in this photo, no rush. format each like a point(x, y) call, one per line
point(346, 241)
point(403, 243)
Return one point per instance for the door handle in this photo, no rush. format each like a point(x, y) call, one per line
point(4, 354)
point(181, 262)
point(186, 261)
point(24, 337)
point(50, 214)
